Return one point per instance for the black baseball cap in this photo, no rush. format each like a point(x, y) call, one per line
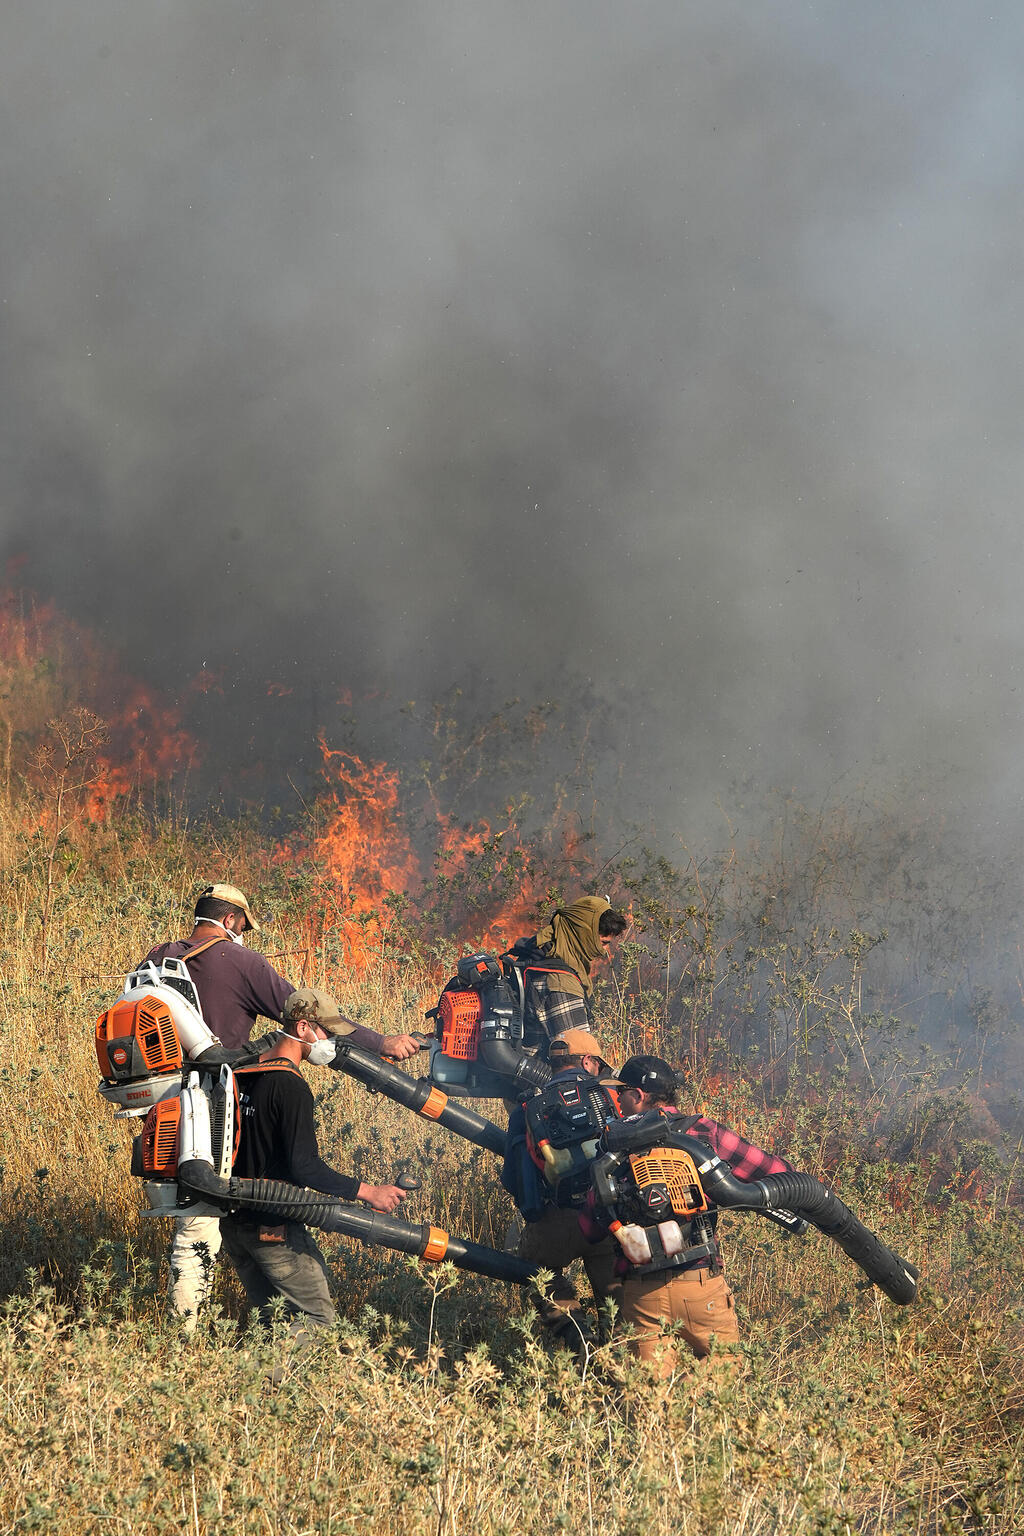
point(650, 1074)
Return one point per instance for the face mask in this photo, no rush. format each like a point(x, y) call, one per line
point(321, 1054)
point(236, 938)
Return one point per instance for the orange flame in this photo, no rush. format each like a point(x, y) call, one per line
point(49, 665)
point(487, 887)
point(361, 854)
point(148, 746)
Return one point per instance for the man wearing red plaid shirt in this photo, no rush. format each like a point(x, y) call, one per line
point(697, 1297)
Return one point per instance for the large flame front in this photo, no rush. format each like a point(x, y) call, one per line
point(371, 888)
point(376, 868)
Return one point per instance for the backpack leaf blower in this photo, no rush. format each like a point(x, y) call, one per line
point(628, 1143)
point(160, 1060)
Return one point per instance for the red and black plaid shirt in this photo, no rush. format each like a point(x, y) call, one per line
point(746, 1160)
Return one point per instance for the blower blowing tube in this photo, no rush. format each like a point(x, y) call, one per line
point(808, 1197)
point(800, 1193)
point(419, 1095)
point(499, 1054)
point(287, 1202)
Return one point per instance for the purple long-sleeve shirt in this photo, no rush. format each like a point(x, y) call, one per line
point(236, 986)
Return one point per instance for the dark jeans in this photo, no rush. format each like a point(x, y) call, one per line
point(295, 1270)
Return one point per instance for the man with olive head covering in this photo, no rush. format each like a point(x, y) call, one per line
point(578, 937)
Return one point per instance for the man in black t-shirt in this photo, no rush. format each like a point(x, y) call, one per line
point(236, 986)
point(278, 1141)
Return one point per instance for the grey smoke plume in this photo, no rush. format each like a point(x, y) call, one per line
point(666, 349)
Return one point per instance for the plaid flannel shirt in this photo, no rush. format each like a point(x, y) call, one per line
point(746, 1160)
point(557, 1011)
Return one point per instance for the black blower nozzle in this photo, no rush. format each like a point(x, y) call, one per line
point(419, 1095)
point(279, 1201)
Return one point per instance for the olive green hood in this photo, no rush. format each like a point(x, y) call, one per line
point(572, 937)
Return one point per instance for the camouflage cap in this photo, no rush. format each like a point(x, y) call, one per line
point(231, 894)
point(316, 1007)
point(575, 1042)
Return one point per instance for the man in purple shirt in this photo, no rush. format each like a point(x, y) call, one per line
point(236, 986)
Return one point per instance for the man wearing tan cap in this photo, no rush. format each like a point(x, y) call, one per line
point(578, 1051)
point(278, 1141)
point(236, 986)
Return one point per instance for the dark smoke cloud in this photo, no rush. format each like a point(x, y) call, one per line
point(665, 349)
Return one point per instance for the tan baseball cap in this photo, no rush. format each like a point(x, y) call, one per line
point(232, 894)
point(576, 1042)
point(316, 1007)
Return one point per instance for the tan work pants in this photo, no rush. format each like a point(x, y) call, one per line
point(699, 1301)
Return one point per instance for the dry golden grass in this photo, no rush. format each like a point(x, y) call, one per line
point(432, 1410)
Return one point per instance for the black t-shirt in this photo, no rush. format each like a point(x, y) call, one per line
point(278, 1135)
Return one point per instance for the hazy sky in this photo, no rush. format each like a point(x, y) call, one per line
point(669, 346)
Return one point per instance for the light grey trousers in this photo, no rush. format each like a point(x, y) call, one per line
point(193, 1256)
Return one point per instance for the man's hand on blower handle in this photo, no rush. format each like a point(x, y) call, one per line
point(398, 1047)
point(387, 1197)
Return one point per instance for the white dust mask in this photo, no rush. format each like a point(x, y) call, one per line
point(236, 938)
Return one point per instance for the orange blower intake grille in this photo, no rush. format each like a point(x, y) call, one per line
point(160, 1139)
point(137, 1039)
point(460, 1014)
point(678, 1172)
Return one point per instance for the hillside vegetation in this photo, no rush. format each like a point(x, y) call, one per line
point(433, 1409)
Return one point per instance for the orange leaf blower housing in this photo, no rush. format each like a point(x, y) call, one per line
point(159, 1141)
point(459, 1014)
point(137, 1039)
point(139, 1053)
point(148, 1039)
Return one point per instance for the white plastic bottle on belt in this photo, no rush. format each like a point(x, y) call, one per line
point(636, 1244)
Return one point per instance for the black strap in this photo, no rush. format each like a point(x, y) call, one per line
point(690, 1258)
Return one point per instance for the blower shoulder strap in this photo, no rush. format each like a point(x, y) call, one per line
point(190, 954)
point(527, 957)
point(278, 1064)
